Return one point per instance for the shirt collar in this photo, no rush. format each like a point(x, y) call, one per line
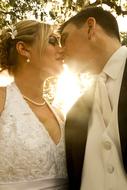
point(115, 63)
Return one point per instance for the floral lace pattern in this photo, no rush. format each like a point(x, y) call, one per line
point(27, 152)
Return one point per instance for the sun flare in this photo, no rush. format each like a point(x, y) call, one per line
point(70, 87)
point(63, 91)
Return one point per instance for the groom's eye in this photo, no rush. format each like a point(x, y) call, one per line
point(53, 40)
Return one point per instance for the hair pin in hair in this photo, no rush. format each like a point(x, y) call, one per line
point(13, 32)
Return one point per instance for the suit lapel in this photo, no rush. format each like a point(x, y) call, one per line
point(76, 136)
point(122, 117)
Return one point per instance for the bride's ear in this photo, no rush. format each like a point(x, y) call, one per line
point(23, 49)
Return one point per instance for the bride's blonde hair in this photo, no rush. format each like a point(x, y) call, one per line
point(27, 31)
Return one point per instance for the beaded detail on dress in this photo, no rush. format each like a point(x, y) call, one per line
point(27, 152)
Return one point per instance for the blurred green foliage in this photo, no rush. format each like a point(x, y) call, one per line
point(57, 10)
point(124, 38)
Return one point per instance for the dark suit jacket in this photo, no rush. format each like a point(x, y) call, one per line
point(76, 132)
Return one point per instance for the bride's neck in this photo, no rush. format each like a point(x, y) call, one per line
point(30, 84)
point(30, 81)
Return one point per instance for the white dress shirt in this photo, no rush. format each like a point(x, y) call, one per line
point(103, 167)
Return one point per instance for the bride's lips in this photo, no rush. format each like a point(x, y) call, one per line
point(60, 59)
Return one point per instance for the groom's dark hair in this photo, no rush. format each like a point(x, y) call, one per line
point(104, 18)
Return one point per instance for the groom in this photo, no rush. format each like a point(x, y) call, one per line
point(96, 151)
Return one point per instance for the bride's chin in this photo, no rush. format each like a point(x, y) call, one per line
point(53, 73)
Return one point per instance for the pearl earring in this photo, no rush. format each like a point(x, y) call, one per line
point(28, 60)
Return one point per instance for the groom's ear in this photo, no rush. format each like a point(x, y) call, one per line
point(91, 25)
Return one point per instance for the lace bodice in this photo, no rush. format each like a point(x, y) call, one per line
point(27, 152)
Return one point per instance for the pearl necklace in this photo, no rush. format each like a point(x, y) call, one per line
point(33, 102)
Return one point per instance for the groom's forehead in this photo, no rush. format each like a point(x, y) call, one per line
point(68, 29)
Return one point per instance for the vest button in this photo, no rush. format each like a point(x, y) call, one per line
point(110, 169)
point(107, 145)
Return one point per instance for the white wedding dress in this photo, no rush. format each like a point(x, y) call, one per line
point(29, 159)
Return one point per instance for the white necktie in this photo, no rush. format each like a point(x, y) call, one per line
point(104, 102)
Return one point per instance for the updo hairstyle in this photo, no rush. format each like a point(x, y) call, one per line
point(27, 31)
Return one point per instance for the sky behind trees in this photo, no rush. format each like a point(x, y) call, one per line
point(52, 10)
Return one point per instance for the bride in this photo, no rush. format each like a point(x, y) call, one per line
point(32, 154)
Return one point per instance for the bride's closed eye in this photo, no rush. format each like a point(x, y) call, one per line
point(53, 40)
